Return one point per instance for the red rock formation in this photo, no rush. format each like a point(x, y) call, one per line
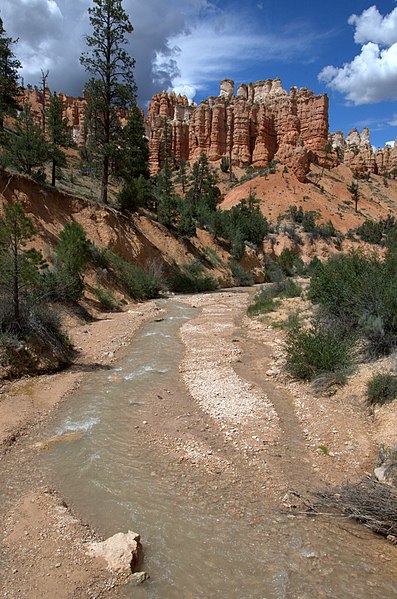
point(357, 153)
point(73, 109)
point(260, 123)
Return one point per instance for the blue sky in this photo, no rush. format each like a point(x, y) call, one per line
point(190, 45)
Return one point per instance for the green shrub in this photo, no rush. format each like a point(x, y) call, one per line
point(286, 261)
point(225, 164)
point(316, 350)
point(106, 299)
point(341, 287)
point(241, 277)
point(40, 327)
point(382, 388)
point(190, 278)
point(263, 302)
point(61, 285)
point(371, 231)
point(290, 289)
point(137, 282)
point(273, 271)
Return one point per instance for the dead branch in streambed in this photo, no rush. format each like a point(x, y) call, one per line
point(370, 502)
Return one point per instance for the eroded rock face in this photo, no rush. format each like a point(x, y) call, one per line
point(73, 110)
point(260, 123)
point(122, 552)
point(357, 153)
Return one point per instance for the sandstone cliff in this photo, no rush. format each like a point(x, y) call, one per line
point(259, 123)
point(73, 109)
point(357, 153)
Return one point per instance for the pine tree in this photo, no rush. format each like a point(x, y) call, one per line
point(354, 193)
point(134, 155)
point(58, 133)
point(112, 87)
point(26, 146)
point(9, 66)
point(167, 201)
point(19, 267)
point(203, 193)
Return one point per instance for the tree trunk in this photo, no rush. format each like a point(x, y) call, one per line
point(17, 315)
point(105, 180)
point(53, 172)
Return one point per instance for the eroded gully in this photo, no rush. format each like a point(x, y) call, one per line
point(207, 533)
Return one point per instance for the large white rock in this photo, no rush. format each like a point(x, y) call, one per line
point(122, 552)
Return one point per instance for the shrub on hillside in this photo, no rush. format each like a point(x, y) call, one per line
point(273, 271)
point(341, 287)
point(190, 278)
point(382, 388)
point(263, 302)
point(371, 231)
point(241, 277)
point(317, 349)
point(106, 299)
point(138, 283)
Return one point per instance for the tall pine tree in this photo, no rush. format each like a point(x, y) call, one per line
point(9, 66)
point(112, 87)
point(58, 134)
point(26, 147)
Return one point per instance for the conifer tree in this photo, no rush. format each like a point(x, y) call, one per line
point(112, 87)
point(9, 66)
point(26, 146)
point(135, 149)
point(19, 267)
point(58, 134)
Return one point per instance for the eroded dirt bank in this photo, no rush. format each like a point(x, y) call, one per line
point(231, 432)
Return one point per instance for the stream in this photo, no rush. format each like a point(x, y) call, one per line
point(192, 550)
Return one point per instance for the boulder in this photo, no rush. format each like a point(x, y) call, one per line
point(122, 552)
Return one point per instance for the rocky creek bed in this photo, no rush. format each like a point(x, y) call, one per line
point(201, 460)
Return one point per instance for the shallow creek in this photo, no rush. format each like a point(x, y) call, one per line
point(192, 550)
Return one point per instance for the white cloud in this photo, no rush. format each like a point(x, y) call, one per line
point(371, 26)
point(390, 143)
point(218, 45)
point(372, 75)
point(51, 36)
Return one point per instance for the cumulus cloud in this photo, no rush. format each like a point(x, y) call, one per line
point(51, 36)
point(372, 75)
point(371, 26)
point(216, 46)
point(181, 44)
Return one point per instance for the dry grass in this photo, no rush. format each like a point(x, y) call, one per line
point(372, 503)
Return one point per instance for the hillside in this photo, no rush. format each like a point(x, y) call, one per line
point(325, 191)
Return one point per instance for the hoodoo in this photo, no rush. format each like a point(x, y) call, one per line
point(259, 123)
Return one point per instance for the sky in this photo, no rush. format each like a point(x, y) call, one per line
point(345, 48)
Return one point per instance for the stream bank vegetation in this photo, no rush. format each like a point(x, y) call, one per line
point(351, 325)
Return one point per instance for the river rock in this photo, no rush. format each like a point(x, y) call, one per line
point(387, 473)
point(122, 552)
point(138, 577)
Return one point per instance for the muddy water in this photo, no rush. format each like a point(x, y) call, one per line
point(192, 550)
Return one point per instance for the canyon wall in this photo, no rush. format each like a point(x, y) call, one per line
point(259, 123)
point(357, 152)
point(73, 109)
